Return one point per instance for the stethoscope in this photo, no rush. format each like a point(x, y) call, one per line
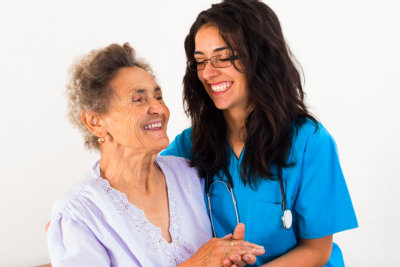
point(287, 217)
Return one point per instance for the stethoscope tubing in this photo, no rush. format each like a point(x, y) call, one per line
point(209, 203)
point(287, 214)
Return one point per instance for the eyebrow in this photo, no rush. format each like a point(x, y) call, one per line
point(215, 50)
point(142, 90)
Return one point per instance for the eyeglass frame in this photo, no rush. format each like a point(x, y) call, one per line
point(205, 61)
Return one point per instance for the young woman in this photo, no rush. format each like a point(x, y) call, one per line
point(267, 161)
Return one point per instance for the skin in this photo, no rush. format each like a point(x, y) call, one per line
point(234, 102)
point(129, 150)
point(236, 105)
point(127, 161)
point(233, 254)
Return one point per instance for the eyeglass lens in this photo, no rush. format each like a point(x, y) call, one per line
point(220, 61)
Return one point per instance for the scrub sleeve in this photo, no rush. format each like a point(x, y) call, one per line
point(323, 205)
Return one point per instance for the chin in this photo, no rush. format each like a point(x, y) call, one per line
point(162, 144)
point(221, 105)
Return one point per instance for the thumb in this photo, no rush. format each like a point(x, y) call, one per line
point(227, 237)
point(239, 232)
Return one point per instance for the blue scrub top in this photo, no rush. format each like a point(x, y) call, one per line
point(315, 189)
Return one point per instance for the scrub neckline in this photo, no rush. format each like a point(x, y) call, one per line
point(238, 159)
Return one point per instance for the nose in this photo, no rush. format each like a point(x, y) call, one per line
point(208, 72)
point(156, 107)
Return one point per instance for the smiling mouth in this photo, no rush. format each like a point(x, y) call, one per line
point(219, 88)
point(153, 126)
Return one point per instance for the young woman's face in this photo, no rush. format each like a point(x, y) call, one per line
point(227, 87)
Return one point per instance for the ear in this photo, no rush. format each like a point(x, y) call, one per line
point(93, 123)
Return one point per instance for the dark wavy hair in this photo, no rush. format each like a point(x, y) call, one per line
point(252, 30)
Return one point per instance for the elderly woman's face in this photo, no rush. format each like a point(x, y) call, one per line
point(138, 116)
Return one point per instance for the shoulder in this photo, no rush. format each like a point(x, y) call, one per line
point(179, 169)
point(186, 134)
point(181, 145)
point(311, 133)
point(77, 198)
point(311, 141)
point(175, 163)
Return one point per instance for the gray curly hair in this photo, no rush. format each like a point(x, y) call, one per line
point(89, 87)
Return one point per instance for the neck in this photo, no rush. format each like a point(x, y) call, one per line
point(235, 119)
point(128, 170)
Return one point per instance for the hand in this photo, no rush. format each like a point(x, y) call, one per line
point(216, 250)
point(236, 260)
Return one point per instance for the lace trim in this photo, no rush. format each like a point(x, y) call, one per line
point(137, 219)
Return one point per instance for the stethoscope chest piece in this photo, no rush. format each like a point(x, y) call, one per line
point(287, 219)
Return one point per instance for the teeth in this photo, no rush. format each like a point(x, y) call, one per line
point(152, 125)
point(221, 86)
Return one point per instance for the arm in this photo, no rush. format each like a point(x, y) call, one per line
point(322, 206)
point(309, 252)
point(73, 244)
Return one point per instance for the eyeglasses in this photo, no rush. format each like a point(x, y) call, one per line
point(220, 61)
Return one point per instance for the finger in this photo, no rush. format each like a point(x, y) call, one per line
point(228, 236)
point(247, 244)
point(226, 263)
point(246, 250)
point(236, 259)
point(239, 232)
point(253, 251)
point(258, 251)
point(249, 259)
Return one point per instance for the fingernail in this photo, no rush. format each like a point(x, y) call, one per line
point(259, 250)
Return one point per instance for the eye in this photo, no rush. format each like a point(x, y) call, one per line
point(137, 99)
point(224, 58)
point(200, 62)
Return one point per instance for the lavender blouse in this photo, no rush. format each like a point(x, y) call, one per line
point(95, 225)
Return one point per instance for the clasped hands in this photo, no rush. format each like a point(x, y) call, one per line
point(228, 251)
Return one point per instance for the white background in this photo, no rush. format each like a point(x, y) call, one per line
point(349, 51)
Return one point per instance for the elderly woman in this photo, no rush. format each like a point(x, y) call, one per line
point(133, 208)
